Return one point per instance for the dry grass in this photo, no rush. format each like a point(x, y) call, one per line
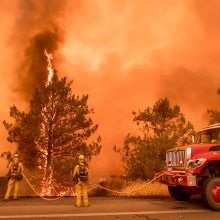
point(153, 189)
point(137, 188)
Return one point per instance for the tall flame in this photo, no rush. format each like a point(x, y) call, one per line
point(49, 66)
point(47, 180)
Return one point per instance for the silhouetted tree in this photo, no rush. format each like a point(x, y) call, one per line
point(214, 114)
point(161, 127)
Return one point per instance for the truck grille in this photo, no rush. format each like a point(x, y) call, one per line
point(176, 158)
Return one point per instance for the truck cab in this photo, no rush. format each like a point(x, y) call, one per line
point(195, 169)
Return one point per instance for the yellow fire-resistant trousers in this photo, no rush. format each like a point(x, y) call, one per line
point(12, 183)
point(82, 190)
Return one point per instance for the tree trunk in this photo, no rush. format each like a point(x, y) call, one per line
point(47, 188)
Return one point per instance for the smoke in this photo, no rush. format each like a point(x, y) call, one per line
point(33, 72)
point(37, 28)
point(128, 54)
point(124, 54)
point(28, 28)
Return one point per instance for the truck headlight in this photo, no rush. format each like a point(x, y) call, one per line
point(196, 163)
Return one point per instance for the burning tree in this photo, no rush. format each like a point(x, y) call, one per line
point(54, 131)
point(161, 127)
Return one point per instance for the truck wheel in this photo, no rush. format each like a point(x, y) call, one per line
point(178, 193)
point(212, 193)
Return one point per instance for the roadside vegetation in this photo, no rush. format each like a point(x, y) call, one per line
point(153, 189)
point(130, 187)
point(159, 128)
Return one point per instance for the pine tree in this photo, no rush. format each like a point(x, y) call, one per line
point(54, 132)
point(160, 128)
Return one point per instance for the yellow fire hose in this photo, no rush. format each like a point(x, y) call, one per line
point(130, 192)
point(97, 185)
point(42, 197)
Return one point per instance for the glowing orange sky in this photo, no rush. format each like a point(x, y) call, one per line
point(124, 54)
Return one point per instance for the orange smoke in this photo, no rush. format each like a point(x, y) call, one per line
point(124, 54)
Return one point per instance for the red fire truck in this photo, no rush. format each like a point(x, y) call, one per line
point(195, 169)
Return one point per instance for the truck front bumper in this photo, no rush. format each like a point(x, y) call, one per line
point(175, 178)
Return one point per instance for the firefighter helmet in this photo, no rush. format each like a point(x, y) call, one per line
point(81, 157)
point(15, 155)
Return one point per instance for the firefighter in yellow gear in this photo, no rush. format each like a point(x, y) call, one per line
point(15, 176)
point(80, 175)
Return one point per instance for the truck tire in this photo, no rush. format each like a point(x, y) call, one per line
point(203, 190)
point(212, 193)
point(178, 193)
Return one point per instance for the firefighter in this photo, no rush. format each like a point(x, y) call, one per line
point(80, 175)
point(14, 177)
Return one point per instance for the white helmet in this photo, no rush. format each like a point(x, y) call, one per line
point(15, 155)
point(81, 157)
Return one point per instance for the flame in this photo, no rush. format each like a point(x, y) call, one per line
point(49, 66)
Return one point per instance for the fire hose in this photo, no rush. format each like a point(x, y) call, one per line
point(130, 192)
point(38, 194)
point(94, 184)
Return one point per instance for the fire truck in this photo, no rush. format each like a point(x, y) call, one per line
point(195, 169)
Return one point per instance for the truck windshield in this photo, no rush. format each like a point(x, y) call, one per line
point(209, 136)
